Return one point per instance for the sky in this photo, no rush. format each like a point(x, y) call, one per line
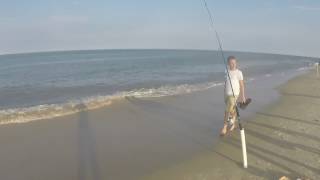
point(273, 26)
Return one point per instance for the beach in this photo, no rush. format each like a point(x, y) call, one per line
point(282, 140)
point(129, 90)
point(126, 90)
point(134, 114)
point(173, 137)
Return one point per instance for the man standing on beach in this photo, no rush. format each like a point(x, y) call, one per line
point(231, 93)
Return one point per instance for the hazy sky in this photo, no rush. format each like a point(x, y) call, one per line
point(273, 26)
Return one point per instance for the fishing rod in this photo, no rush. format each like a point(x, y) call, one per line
point(242, 133)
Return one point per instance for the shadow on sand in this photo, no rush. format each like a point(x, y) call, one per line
point(289, 118)
point(301, 95)
point(277, 159)
point(288, 131)
point(264, 173)
point(87, 165)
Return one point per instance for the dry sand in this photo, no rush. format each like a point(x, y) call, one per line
point(282, 140)
point(172, 137)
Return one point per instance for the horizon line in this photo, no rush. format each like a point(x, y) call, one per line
point(184, 49)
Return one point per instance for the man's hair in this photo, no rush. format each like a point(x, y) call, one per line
point(231, 58)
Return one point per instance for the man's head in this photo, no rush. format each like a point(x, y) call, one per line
point(232, 62)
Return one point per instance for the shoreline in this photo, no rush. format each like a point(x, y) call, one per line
point(282, 140)
point(50, 111)
point(129, 139)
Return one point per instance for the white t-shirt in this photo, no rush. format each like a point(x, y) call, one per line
point(235, 76)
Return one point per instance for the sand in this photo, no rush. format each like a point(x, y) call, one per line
point(175, 137)
point(282, 140)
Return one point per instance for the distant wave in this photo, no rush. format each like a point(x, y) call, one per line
point(47, 111)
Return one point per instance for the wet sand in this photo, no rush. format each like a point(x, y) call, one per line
point(283, 139)
point(172, 137)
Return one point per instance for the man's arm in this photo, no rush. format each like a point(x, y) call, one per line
point(242, 96)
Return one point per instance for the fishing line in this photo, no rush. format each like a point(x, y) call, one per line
point(244, 151)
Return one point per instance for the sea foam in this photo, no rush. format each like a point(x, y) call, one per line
point(47, 111)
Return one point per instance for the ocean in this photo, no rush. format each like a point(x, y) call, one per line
point(36, 86)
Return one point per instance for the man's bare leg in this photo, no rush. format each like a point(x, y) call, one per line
point(234, 116)
point(225, 124)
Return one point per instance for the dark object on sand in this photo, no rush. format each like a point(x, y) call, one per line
point(243, 105)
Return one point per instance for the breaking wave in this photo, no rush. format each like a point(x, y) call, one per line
point(47, 111)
